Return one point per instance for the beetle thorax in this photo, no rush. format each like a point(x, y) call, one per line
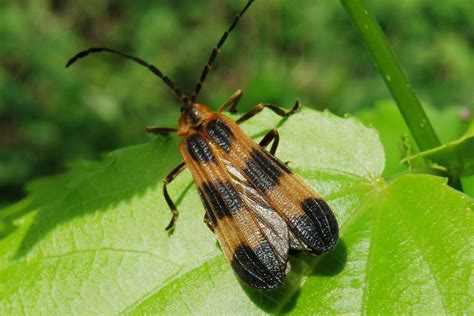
point(192, 117)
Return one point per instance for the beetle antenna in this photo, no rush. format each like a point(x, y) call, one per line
point(215, 52)
point(178, 92)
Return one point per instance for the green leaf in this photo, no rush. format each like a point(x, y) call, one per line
point(408, 248)
point(99, 245)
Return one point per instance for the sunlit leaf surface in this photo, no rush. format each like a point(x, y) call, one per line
point(93, 241)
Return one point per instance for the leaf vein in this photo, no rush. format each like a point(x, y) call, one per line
point(107, 249)
point(375, 232)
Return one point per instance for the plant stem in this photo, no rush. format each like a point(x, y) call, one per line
point(391, 71)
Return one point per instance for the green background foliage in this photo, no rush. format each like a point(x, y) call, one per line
point(91, 239)
point(283, 50)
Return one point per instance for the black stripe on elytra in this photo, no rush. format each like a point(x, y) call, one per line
point(269, 258)
point(221, 199)
point(198, 149)
point(262, 170)
point(260, 270)
point(221, 133)
point(318, 227)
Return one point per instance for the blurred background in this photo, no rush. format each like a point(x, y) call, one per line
point(282, 50)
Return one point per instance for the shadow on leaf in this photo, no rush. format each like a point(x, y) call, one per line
point(303, 265)
point(332, 263)
point(121, 176)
